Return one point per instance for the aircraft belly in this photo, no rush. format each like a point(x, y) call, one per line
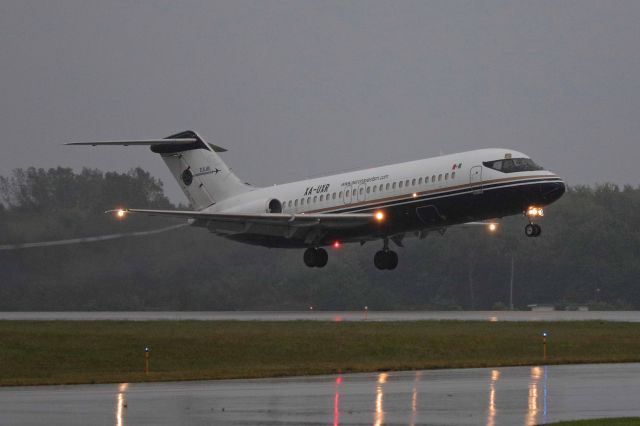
point(296, 242)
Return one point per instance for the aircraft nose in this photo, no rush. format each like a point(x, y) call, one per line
point(553, 191)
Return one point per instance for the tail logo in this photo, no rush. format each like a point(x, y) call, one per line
point(187, 177)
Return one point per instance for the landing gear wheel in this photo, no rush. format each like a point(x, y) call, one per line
point(380, 259)
point(538, 230)
point(317, 257)
point(321, 258)
point(386, 259)
point(532, 230)
point(529, 230)
point(392, 260)
point(310, 257)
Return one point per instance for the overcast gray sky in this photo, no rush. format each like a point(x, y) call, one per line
point(301, 88)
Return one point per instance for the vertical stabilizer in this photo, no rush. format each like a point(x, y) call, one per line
point(204, 178)
point(199, 170)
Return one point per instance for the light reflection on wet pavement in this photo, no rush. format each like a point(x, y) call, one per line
point(493, 396)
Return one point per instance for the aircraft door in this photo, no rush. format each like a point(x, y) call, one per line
point(475, 179)
point(348, 194)
point(361, 194)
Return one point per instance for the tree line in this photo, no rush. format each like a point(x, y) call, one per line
point(587, 255)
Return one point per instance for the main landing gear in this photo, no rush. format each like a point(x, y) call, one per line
point(533, 229)
point(385, 258)
point(317, 257)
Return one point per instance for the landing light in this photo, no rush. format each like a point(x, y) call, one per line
point(121, 213)
point(414, 195)
point(379, 216)
point(493, 227)
point(535, 211)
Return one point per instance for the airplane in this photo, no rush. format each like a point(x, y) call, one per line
point(387, 203)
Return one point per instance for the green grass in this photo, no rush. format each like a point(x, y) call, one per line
point(619, 421)
point(48, 352)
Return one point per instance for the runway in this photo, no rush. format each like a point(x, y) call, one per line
point(493, 396)
point(315, 315)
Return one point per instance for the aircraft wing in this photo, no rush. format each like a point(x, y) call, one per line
point(476, 224)
point(274, 224)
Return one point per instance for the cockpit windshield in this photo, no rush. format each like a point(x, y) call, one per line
point(513, 165)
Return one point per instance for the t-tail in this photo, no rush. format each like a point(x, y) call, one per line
point(204, 178)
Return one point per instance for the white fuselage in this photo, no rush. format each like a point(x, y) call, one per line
point(392, 184)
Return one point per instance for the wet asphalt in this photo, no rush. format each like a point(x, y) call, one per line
point(484, 396)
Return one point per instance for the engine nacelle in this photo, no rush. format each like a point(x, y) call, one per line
point(270, 205)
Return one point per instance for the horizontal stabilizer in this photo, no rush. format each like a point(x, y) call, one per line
point(170, 141)
point(184, 141)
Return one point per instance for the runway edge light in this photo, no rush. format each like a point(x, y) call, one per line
point(146, 360)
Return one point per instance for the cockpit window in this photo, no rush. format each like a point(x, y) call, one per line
point(513, 165)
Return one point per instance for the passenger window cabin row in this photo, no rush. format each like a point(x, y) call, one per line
point(389, 186)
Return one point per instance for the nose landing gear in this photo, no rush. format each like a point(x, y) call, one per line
point(315, 257)
point(533, 229)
